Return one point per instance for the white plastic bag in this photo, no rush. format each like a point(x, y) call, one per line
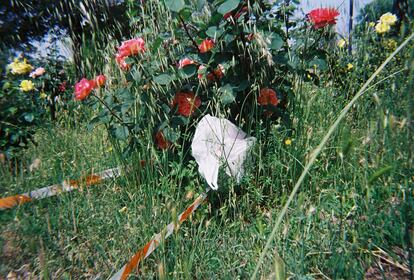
point(218, 141)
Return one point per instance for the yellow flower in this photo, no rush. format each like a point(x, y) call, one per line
point(349, 66)
point(371, 24)
point(341, 43)
point(18, 68)
point(388, 18)
point(43, 95)
point(390, 44)
point(288, 142)
point(382, 27)
point(26, 85)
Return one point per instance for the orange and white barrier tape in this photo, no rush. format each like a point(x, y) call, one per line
point(145, 251)
point(66, 186)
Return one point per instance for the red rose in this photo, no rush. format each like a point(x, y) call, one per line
point(186, 102)
point(62, 86)
point(218, 73)
point(206, 45)
point(322, 17)
point(83, 88)
point(160, 140)
point(267, 96)
point(131, 47)
point(100, 80)
point(184, 62)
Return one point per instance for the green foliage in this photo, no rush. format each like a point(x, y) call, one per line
point(372, 11)
point(354, 211)
point(21, 112)
point(246, 49)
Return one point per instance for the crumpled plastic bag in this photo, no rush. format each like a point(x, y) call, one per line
point(217, 142)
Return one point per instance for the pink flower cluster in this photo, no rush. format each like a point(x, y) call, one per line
point(84, 87)
point(129, 48)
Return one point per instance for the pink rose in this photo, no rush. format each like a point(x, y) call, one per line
point(131, 47)
point(121, 62)
point(38, 72)
point(83, 88)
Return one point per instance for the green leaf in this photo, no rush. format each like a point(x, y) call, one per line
point(186, 14)
point(12, 110)
point(214, 32)
point(171, 135)
point(228, 38)
point(276, 42)
point(200, 4)
point(228, 6)
point(318, 63)
point(227, 94)
point(242, 86)
point(125, 95)
point(179, 120)
point(129, 60)
point(29, 117)
point(94, 122)
point(156, 45)
point(189, 70)
point(379, 173)
point(175, 5)
point(163, 79)
point(121, 132)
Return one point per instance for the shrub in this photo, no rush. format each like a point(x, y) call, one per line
point(219, 60)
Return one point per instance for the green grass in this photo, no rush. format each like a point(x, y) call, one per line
point(357, 198)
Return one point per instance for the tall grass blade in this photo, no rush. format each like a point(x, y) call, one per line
point(318, 149)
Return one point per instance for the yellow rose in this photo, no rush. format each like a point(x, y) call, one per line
point(388, 18)
point(341, 43)
point(43, 95)
point(26, 85)
point(382, 27)
point(20, 68)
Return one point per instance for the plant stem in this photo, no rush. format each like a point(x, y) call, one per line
point(109, 109)
point(188, 33)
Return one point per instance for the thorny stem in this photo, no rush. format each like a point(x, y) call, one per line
point(109, 109)
point(188, 33)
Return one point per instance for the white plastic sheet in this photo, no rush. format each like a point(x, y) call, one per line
point(217, 142)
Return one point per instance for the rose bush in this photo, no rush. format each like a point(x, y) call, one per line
point(28, 95)
point(236, 59)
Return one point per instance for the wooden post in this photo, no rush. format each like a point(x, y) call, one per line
point(351, 18)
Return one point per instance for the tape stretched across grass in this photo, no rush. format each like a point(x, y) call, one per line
point(145, 251)
point(66, 186)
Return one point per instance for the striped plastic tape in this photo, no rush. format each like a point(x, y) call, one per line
point(66, 186)
point(145, 251)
